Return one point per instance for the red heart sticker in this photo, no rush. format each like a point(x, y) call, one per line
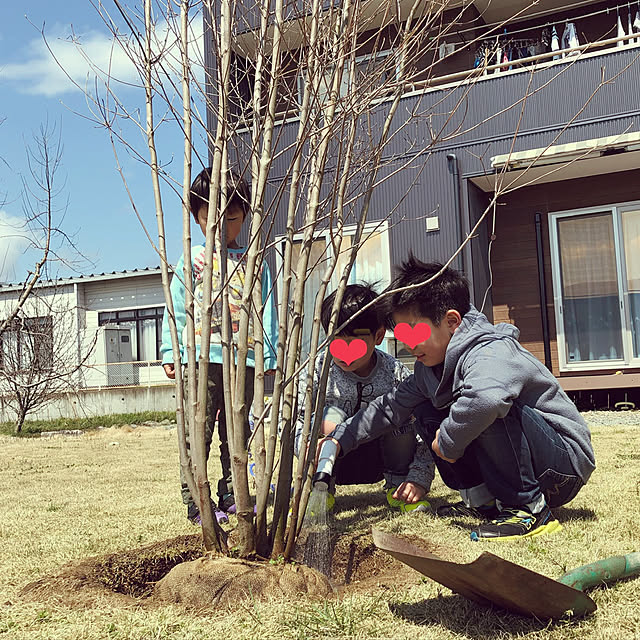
point(412, 336)
point(348, 352)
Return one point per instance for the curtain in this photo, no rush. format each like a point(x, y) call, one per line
point(590, 299)
point(631, 235)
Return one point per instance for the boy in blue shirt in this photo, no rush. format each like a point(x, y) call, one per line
point(235, 214)
point(503, 431)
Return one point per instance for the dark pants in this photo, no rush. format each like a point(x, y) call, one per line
point(387, 457)
point(518, 458)
point(215, 403)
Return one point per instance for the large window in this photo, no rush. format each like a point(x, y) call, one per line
point(146, 330)
point(371, 265)
point(597, 286)
point(27, 343)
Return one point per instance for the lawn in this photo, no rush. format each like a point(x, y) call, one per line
point(66, 498)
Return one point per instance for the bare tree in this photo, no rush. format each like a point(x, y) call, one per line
point(40, 359)
point(289, 101)
point(44, 208)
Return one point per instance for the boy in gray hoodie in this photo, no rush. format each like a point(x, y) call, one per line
point(503, 431)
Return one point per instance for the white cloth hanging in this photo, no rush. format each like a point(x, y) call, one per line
point(498, 59)
point(621, 33)
point(555, 43)
point(570, 38)
point(636, 25)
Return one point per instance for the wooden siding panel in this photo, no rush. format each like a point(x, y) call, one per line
point(514, 260)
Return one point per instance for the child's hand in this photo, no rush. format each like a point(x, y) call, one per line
point(436, 448)
point(169, 370)
point(409, 492)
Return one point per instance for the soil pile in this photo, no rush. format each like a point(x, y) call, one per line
point(211, 581)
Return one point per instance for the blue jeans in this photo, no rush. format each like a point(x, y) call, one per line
point(518, 458)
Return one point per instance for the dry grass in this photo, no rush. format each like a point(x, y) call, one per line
point(67, 498)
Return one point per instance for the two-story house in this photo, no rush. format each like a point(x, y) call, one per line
point(534, 102)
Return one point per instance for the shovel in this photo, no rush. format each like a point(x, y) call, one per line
point(491, 580)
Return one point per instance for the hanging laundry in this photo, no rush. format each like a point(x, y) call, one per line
point(555, 44)
point(629, 26)
point(621, 33)
point(570, 38)
point(636, 25)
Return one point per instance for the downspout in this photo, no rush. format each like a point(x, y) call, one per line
point(79, 339)
point(452, 165)
point(543, 293)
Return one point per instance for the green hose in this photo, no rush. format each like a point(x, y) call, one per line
point(602, 571)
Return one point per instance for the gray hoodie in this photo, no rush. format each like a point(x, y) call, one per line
point(485, 371)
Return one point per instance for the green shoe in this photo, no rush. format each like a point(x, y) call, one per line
point(514, 523)
point(405, 507)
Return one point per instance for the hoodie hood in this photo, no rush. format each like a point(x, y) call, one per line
point(474, 330)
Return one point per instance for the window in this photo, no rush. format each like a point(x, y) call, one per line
point(596, 269)
point(146, 330)
point(372, 265)
point(27, 344)
point(371, 70)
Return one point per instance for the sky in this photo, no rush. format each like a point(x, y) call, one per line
point(92, 201)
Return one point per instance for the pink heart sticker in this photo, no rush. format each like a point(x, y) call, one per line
point(348, 352)
point(412, 336)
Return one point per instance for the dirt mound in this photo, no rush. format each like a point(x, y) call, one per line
point(175, 570)
point(119, 577)
point(213, 580)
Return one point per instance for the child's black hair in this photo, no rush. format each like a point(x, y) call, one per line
point(237, 192)
point(432, 300)
point(355, 297)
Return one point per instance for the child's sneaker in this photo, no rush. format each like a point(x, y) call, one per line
point(405, 507)
point(194, 517)
point(228, 504)
point(487, 511)
point(514, 523)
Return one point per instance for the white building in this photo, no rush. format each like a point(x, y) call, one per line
point(116, 318)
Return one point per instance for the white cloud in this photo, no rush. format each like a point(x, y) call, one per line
point(51, 68)
point(14, 241)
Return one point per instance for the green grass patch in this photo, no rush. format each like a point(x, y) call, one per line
point(35, 427)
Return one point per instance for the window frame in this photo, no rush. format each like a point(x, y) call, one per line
point(370, 228)
point(628, 361)
point(365, 57)
point(19, 328)
point(137, 319)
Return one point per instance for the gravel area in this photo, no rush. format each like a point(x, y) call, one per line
point(610, 418)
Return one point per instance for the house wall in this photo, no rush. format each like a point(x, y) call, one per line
point(102, 402)
point(566, 102)
point(516, 293)
point(137, 292)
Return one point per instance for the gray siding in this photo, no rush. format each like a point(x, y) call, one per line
point(565, 104)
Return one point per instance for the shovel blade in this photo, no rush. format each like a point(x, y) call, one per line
point(491, 580)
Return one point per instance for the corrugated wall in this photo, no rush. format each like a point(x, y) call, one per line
point(565, 103)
